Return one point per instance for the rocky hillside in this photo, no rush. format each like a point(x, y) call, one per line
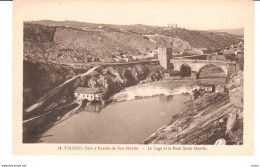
point(78, 42)
point(74, 45)
point(39, 78)
point(215, 118)
point(110, 79)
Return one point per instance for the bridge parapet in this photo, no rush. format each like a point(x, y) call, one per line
point(203, 61)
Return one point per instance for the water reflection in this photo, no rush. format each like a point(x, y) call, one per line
point(94, 107)
point(166, 98)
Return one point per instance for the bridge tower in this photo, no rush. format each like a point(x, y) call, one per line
point(164, 56)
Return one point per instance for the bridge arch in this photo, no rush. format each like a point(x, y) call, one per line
point(185, 70)
point(222, 67)
point(172, 66)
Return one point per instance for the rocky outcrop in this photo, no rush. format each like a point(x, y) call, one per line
point(236, 91)
point(40, 77)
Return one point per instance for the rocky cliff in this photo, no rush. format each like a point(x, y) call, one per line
point(40, 77)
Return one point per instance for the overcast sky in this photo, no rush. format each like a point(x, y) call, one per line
point(188, 14)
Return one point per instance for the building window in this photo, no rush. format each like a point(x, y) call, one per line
point(83, 95)
point(78, 94)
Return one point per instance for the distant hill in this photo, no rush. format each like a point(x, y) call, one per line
point(237, 31)
point(72, 41)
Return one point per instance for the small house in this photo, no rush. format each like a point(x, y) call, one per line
point(207, 87)
point(219, 57)
point(90, 94)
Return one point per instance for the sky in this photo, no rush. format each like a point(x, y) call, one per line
point(191, 14)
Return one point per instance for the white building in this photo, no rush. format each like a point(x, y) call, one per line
point(90, 94)
point(173, 26)
point(206, 87)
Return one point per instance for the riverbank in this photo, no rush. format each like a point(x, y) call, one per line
point(214, 118)
point(153, 89)
point(33, 127)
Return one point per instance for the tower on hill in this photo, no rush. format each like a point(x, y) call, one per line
point(172, 26)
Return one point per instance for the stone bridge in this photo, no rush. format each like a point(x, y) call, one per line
point(195, 66)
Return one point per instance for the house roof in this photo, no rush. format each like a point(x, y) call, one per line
point(87, 90)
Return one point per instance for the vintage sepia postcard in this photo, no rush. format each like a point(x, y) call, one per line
point(123, 77)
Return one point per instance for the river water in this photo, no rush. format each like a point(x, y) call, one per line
point(127, 122)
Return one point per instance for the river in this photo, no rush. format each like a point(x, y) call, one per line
point(126, 122)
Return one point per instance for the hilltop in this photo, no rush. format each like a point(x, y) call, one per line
point(80, 42)
point(237, 31)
